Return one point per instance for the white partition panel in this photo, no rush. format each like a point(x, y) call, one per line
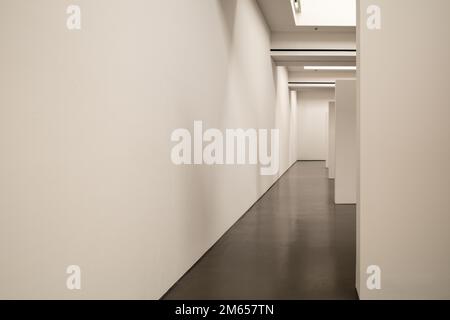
point(331, 139)
point(404, 142)
point(345, 176)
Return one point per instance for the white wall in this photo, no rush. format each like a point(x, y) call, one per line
point(313, 123)
point(346, 152)
point(313, 40)
point(320, 76)
point(327, 160)
point(284, 119)
point(331, 140)
point(293, 137)
point(404, 203)
point(85, 122)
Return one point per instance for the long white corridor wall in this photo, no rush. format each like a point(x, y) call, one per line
point(313, 123)
point(86, 118)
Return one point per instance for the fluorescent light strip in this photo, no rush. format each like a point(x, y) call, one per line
point(312, 85)
point(331, 68)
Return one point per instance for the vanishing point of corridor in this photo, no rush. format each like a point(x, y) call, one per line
point(294, 243)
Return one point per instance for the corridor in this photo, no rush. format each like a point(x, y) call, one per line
point(224, 149)
point(294, 243)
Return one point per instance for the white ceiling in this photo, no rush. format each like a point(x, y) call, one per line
point(279, 15)
point(313, 58)
point(298, 73)
point(323, 15)
point(300, 67)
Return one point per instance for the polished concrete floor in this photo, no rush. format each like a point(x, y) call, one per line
point(294, 243)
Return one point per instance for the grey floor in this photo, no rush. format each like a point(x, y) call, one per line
point(293, 244)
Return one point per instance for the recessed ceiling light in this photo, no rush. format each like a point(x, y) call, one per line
point(331, 68)
point(312, 84)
